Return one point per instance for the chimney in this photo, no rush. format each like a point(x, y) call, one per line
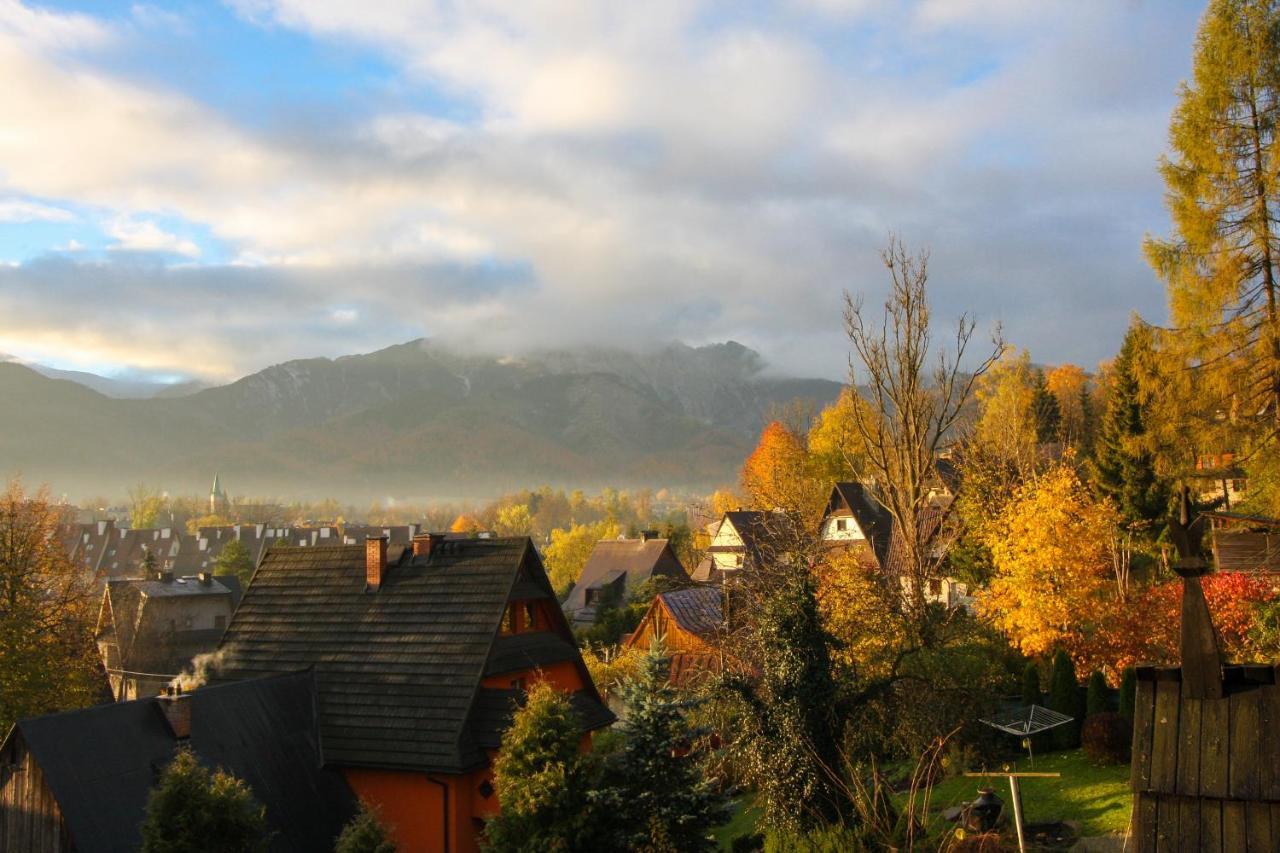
point(206, 578)
point(164, 576)
point(375, 561)
point(176, 707)
point(423, 543)
point(646, 535)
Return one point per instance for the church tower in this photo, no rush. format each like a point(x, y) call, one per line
point(218, 503)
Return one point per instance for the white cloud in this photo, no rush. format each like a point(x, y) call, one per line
point(145, 236)
point(17, 210)
point(50, 30)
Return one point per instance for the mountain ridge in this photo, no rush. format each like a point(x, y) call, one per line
point(412, 420)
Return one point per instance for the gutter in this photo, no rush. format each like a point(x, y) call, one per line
point(444, 791)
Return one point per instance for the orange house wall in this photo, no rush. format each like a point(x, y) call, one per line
point(412, 805)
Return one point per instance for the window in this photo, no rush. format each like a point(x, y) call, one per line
point(592, 595)
point(530, 616)
point(737, 560)
point(509, 621)
point(842, 524)
point(220, 621)
point(520, 683)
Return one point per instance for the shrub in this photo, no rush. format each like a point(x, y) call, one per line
point(1106, 738)
point(193, 809)
point(827, 839)
point(364, 833)
point(1097, 700)
point(1031, 685)
point(1128, 691)
point(1064, 697)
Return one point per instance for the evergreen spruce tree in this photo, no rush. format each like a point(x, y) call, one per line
point(1064, 697)
point(1221, 266)
point(235, 559)
point(1031, 685)
point(1096, 699)
point(364, 833)
point(661, 798)
point(545, 785)
point(192, 810)
point(1048, 414)
point(1123, 465)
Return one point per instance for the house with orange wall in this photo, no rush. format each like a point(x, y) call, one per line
point(421, 655)
point(690, 625)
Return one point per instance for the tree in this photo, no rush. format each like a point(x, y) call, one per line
point(1053, 569)
point(1064, 697)
point(145, 507)
point(47, 658)
point(568, 551)
point(514, 520)
point(1070, 386)
point(911, 410)
point(544, 784)
point(779, 474)
point(1128, 692)
point(662, 800)
point(834, 449)
point(194, 811)
point(1031, 685)
point(1220, 264)
point(364, 833)
point(787, 717)
point(1096, 699)
point(1123, 463)
point(235, 559)
point(1044, 408)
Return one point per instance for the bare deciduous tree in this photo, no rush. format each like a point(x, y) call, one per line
point(912, 413)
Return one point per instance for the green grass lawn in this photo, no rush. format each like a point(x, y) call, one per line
point(743, 822)
point(1097, 798)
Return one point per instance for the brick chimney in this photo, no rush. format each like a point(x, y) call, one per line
point(206, 578)
point(176, 707)
point(375, 561)
point(424, 542)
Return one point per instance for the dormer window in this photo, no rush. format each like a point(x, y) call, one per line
point(842, 524)
point(530, 616)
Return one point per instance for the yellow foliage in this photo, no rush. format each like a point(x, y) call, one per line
point(609, 668)
point(1051, 551)
point(568, 551)
point(856, 611)
point(835, 445)
point(465, 524)
point(1006, 427)
point(780, 475)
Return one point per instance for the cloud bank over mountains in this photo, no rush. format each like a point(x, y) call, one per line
point(210, 191)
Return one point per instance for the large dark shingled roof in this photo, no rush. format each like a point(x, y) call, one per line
point(698, 610)
point(101, 762)
point(397, 669)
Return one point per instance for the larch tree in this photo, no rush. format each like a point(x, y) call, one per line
point(779, 474)
point(1221, 263)
point(912, 409)
point(1069, 385)
point(47, 658)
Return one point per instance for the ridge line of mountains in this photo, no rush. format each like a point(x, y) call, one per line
point(416, 421)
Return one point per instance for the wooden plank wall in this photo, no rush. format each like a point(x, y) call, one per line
point(1206, 773)
point(30, 821)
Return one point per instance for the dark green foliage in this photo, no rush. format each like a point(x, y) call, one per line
point(751, 843)
point(365, 833)
point(1045, 407)
point(1106, 738)
point(785, 737)
point(235, 559)
point(1097, 697)
point(1128, 692)
point(826, 839)
point(1031, 685)
point(1064, 697)
point(656, 794)
point(1123, 466)
point(545, 786)
point(192, 810)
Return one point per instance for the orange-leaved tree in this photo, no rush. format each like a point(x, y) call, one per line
point(779, 474)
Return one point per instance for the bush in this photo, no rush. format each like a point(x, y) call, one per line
point(1128, 693)
point(1064, 697)
point(1106, 738)
point(364, 833)
point(1097, 699)
point(827, 839)
point(1031, 685)
point(194, 809)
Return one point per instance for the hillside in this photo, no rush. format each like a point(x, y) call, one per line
point(413, 420)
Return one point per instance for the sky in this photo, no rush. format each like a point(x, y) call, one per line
point(204, 189)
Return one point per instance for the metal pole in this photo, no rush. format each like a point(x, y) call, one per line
point(1017, 811)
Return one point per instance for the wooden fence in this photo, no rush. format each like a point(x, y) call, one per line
point(1206, 772)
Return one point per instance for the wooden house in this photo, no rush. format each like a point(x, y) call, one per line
point(78, 782)
point(740, 541)
point(854, 519)
point(616, 566)
point(689, 623)
point(421, 656)
point(149, 630)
